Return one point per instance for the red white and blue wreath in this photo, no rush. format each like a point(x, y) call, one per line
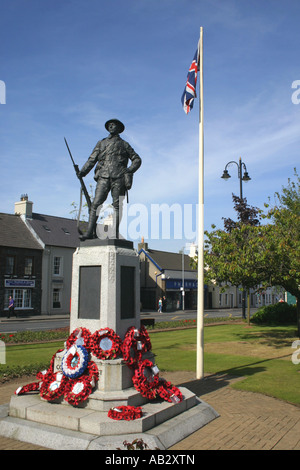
point(75, 361)
point(106, 344)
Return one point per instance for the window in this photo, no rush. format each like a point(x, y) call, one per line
point(18, 297)
point(28, 269)
point(10, 265)
point(56, 303)
point(22, 298)
point(57, 266)
point(26, 298)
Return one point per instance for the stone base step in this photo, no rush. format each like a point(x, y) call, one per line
point(88, 420)
point(162, 436)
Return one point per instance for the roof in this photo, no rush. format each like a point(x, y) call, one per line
point(14, 233)
point(167, 260)
point(56, 231)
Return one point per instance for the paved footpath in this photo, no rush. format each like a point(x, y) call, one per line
point(248, 421)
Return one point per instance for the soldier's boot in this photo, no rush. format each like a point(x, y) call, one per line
point(90, 233)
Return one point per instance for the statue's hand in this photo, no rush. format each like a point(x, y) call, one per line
point(128, 177)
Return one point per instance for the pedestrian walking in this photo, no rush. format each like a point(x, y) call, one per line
point(11, 306)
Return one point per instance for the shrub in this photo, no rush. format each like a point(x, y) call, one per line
point(278, 314)
point(35, 336)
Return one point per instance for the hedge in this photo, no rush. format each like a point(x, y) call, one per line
point(277, 314)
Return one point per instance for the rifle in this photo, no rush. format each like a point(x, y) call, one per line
point(83, 186)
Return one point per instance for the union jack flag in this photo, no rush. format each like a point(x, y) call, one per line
point(189, 93)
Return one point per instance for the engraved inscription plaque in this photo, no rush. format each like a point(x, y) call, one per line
point(89, 292)
point(127, 292)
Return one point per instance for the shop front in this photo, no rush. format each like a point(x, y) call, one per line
point(178, 298)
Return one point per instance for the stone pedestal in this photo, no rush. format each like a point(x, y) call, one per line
point(105, 286)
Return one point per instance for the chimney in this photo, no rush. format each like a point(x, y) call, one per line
point(143, 245)
point(193, 250)
point(24, 207)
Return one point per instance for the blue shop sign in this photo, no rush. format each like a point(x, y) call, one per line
point(177, 284)
point(19, 283)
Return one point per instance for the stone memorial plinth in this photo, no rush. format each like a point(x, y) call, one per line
point(105, 286)
point(106, 294)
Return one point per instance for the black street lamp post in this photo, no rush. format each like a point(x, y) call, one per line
point(243, 176)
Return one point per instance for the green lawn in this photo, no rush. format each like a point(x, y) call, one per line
point(29, 358)
point(262, 355)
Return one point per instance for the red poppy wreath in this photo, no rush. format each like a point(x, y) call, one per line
point(53, 387)
point(135, 344)
point(127, 413)
point(169, 392)
point(145, 380)
point(32, 387)
point(106, 344)
point(81, 337)
point(78, 390)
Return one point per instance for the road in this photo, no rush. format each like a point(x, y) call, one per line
point(192, 314)
point(13, 325)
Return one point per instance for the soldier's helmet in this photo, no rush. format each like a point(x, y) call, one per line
point(120, 125)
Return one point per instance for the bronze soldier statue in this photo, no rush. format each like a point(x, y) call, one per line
point(111, 173)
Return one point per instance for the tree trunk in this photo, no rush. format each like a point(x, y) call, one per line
point(244, 303)
point(298, 314)
point(248, 305)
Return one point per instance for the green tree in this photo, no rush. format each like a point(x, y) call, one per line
point(249, 254)
point(280, 255)
point(229, 253)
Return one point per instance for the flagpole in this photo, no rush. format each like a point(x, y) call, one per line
point(200, 294)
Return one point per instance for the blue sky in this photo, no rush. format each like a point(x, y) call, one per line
point(71, 65)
